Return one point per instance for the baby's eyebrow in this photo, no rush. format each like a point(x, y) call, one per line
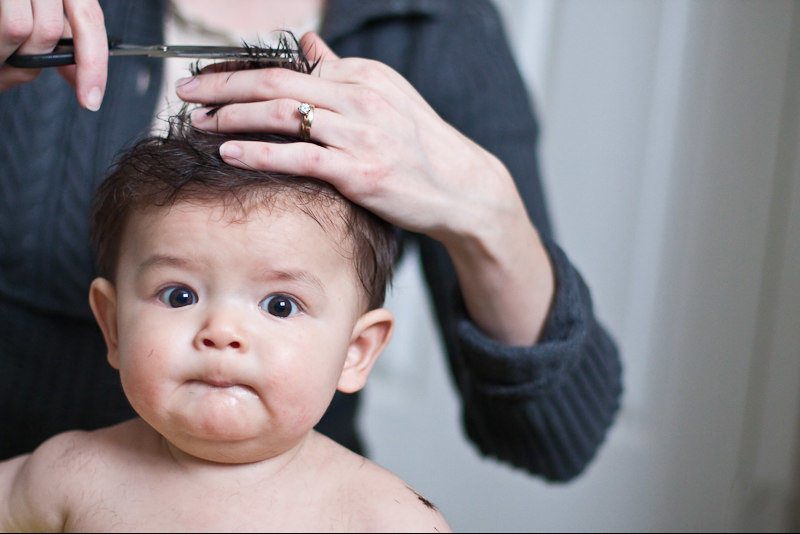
point(292, 276)
point(162, 260)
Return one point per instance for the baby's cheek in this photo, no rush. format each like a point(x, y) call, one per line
point(144, 373)
point(303, 383)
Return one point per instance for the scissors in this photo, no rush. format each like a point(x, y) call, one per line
point(64, 53)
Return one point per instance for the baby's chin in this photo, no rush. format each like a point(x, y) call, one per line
point(220, 417)
point(222, 433)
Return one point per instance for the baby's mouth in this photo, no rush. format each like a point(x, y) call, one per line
point(232, 387)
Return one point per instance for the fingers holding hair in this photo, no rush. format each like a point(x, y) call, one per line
point(279, 116)
point(301, 159)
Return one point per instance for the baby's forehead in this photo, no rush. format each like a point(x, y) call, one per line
point(285, 226)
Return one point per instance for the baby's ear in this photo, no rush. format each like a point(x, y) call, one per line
point(103, 301)
point(370, 335)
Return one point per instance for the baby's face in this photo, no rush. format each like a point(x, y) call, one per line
point(232, 333)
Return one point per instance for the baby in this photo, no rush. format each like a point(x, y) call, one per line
point(234, 304)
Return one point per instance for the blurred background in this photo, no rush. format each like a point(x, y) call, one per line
point(671, 160)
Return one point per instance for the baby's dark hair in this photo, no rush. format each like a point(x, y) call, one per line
point(185, 166)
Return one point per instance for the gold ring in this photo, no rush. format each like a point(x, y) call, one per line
point(307, 113)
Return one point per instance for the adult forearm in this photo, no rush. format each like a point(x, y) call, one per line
point(505, 276)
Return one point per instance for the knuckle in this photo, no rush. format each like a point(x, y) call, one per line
point(283, 110)
point(263, 156)
point(270, 79)
point(371, 138)
point(362, 135)
point(373, 174)
point(50, 31)
point(360, 65)
point(224, 115)
point(16, 30)
point(373, 72)
point(350, 63)
point(212, 82)
point(311, 162)
point(48, 27)
point(370, 73)
point(368, 100)
point(90, 14)
point(371, 78)
point(264, 84)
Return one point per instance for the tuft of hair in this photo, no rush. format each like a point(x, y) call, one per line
point(185, 166)
point(287, 53)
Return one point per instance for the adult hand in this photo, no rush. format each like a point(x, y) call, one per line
point(382, 146)
point(35, 26)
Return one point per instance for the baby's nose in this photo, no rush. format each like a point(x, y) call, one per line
point(209, 342)
point(221, 334)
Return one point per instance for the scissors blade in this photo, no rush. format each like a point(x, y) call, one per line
point(201, 52)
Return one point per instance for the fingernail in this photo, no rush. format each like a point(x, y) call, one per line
point(230, 150)
point(94, 99)
point(187, 84)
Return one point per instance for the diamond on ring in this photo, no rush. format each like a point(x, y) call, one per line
point(307, 112)
point(304, 108)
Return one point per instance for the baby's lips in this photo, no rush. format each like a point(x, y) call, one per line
point(224, 383)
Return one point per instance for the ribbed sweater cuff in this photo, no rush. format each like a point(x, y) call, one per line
point(508, 371)
point(544, 408)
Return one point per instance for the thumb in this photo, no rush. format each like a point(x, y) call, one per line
point(315, 48)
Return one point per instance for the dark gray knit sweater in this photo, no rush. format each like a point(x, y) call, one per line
point(545, 408)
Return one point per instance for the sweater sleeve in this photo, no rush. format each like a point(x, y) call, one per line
point(545, 408)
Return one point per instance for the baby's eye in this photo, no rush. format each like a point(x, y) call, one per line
point(279, 305)
point(177, 296)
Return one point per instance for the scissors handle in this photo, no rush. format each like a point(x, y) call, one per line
point(63, 54)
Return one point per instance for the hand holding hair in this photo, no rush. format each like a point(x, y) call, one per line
point(376, 140)
point(35, 26)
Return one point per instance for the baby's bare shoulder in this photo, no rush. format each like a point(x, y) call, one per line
point(41, 490)
point(37, 487)
point(79, 453)
point(72, 460)
point(368, 497)
point(55, 459)
point(385, 503)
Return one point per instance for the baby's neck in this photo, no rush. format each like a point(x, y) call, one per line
point(264, 468)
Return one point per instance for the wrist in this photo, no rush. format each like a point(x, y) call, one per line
point(485, 211)
point(496, 244)
point(506, 278)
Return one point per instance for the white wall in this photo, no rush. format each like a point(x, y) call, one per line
point(671, 158)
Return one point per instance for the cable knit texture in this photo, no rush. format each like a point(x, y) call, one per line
point(545, 408)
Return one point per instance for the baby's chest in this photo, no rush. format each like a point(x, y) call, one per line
point(190, 511)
